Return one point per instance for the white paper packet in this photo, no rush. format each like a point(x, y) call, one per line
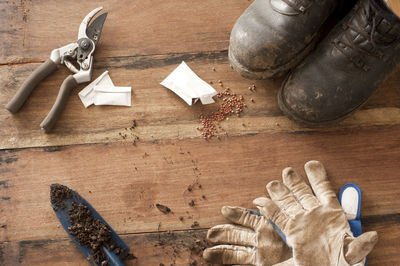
point(187, 85)
point(87, 94)
point(112, 96)
point(103, 92)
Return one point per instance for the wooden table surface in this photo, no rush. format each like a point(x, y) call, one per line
point(91, 151)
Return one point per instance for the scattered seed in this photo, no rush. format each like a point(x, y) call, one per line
point(192, 203)
point(252, 88)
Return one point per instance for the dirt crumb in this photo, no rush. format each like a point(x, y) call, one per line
point(195, 224)
point(133, 125)
point(162, 208)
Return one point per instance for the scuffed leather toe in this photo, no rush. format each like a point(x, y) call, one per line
point(266, 43)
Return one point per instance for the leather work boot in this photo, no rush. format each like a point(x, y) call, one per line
point(272, 36)
point(346, 68)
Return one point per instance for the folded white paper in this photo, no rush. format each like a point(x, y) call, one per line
point(187, 85)
point(103, 92)
point(112, 96)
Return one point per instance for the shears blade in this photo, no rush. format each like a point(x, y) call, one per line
point(94, 30)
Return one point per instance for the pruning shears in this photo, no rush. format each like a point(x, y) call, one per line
point(77, 57)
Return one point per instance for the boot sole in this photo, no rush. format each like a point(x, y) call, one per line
point(275, 73)
point(307, 123)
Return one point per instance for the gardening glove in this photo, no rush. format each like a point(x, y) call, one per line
point(315, 225)
point(250, 240)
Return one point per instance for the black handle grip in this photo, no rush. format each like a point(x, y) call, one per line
point(67, 86)
point(30, 83)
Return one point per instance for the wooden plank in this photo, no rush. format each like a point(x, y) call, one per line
point(123, 181)
point(386, 252)
point(175, 248)
point(132, 28)
point(395, 6)
point(172, 248)
point(159, 113)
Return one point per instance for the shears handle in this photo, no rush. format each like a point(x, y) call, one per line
point(30, 83)
point(66, 87)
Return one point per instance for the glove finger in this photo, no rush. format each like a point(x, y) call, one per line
point(272, 212)
point(241, 216)
point(320, 184)
point(232, 235)
point(283, 197)
point(227, 254)
point(299, 188)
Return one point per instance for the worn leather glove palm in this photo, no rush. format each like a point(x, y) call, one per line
point(315, 225)
point(251, 240)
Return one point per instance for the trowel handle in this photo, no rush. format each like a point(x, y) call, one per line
point(112, 258)
point(30, 83)
point(67, 86)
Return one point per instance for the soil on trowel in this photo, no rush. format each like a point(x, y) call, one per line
point(59, 193)
point(92, 233)
point(87, 230)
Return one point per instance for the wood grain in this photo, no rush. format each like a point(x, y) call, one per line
point(92, 151)
point(395, 6)
point(175, 248)
point(159, 113)
point(124, 182)
point(149, 27)
point(168, 248)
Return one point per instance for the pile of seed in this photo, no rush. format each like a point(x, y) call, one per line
point(59, 193)
point(231, 104)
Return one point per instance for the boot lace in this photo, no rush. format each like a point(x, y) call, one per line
point(368, 40)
